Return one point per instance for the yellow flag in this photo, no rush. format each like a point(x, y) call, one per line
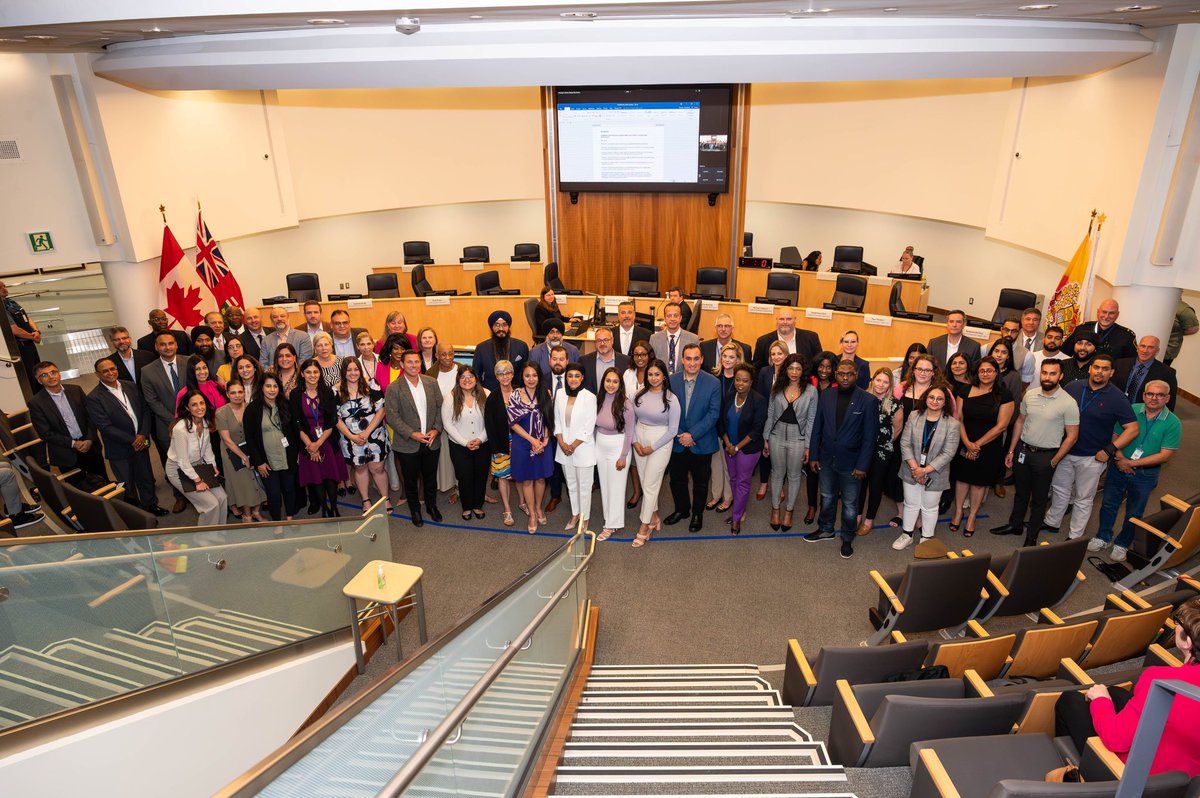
point(1066, 308)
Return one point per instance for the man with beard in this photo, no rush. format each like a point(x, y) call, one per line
point(1022, 359)
point(202, 345)
point(555, 381)
point(284, 334)
point(1110, 338)
point(1084, 349)
point(499, 347)
point(540, 355)
point(159, 322)
point(1049, 349)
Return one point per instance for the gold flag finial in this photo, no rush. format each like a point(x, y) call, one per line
point(163, 210)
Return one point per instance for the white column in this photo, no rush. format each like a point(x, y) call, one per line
point(133, 288)
point(1147, 310)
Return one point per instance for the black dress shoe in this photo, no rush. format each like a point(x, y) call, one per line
point(633, 503)
point(1053, 530)
point(417, 520)
point(1008, 529)
point(435, 515)
point(736, 527)
point(157, 511)
point(674, 518)
point(697, 523)
point(313, 507)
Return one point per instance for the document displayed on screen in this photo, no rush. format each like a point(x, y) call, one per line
point(636, 142)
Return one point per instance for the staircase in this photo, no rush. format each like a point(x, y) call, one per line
point(653, 730)
point(75, 671)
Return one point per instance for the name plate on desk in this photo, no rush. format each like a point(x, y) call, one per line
point(818, 313)
point(755, 307)
point(408, 267)
point(710, 304)
point(359, 303)
point(517, 265)
point(290, 307)
point(875, 280)
point(431, 301)
point(473, 267)
point(828, 277)
point(977, 333)
point(877, 320)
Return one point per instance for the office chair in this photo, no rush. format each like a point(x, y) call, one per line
point(303, 286)
point(849, 293)
point(847, 259)
point(421, 286)
point(643, 280)
point(747, 244)
point(416, 252)
point(488, 283)
point(476, 254)
point(791, 257)
point(551, 279)
point(527, 252)
point(782, 289)
point(710, 284)
point(896, 306)
point(1013, 302)
point(383, 286)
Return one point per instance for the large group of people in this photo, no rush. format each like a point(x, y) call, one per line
point(244, 418)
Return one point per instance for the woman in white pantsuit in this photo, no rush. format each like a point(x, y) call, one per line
point(614, 441)
point(928, 444)
point(191, 443)
point(657, 414)
point(575, 430)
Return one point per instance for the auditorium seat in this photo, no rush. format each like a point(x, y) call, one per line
point(421, 286)
point(782, 288)
point(847, 259)
point(1013, 302)
point(849, 293)
point(488, 283)
point(791, 257)
point(710, 283)
point(527, 252)
point(551, 279)
point(643, 280)
point(382, 286)
point(416, 252)
point(896, 306)
point(303, 286)
point(475, 254)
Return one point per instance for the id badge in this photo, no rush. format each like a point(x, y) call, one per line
point(1137, 454)
point(1021, 457)
point(924, 458)
point(319, 431)
point(283, 441)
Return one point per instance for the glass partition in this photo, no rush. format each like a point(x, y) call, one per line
point(72, 308)
point(89, 617)
point(358, 752)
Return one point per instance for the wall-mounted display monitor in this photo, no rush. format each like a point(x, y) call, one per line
point(643, 138)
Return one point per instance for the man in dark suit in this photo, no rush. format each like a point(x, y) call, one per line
point(416, 434)
point(499, 347)
point(129, 361)
point(343, 334)
point(1111, 338)
point(843, 441)
point(711, 349)
point(675, 294)
point(253, 336)
point(940, 347)
point(696, 442)
point(160, 384)
point(628, 332)
point(123, 420)
point(235, 321)
point(60, 418)
point(1132, 373)
point(802, 342)
point(605, 357)
point(159, 323)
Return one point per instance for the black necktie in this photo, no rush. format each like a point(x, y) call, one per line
point(1135, 381)
point(558, 383)
point(174, 377)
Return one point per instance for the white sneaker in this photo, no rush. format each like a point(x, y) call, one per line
point(1096, 544)
point(903, 542)
point(1118, 554)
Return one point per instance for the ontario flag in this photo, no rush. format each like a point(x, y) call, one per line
point(180, 298)
point(1067, 307)
point(212, 268)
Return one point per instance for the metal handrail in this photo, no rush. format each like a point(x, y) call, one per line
point(427, 749)
point(1159, 699)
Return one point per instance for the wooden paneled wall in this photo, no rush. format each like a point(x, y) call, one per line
point(605, 232)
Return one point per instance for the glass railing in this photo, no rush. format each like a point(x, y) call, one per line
point(464, 715)
point(72, 308)
point(86, 618)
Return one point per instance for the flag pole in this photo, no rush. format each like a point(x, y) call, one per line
point(163, 210)
point(1090, 278)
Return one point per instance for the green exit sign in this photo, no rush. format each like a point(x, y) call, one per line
point(41, 242)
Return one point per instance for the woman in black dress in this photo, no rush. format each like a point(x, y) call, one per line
point(983, 416)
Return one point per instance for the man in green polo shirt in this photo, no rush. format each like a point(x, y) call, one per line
point(1133, 471)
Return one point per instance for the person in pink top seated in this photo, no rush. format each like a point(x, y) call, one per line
point(391, 367)
point(1112, 713)
point(199, 378)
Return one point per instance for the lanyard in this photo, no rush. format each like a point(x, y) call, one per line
point(1145, 436)
point(927, 434)
point(1084, 401)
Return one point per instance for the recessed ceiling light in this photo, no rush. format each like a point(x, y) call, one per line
point(1038, 7)
point(578, 15)
point(1124, 9)
point(325, 21)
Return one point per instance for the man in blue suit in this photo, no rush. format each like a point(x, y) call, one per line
point(696, 441)
point(842, 443)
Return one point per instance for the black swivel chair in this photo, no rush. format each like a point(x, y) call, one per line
point(421, 286)
point(643, 280)
point(896, 306)
point(847, 259)
point(416, 252)
point(710, 284)
point(303, 286)
point(476, 254)
point(527, 252)
point(383, 286)
point(791, 258)
point(551, 279)
point(849, 293)
point(1013, 302)
point(782, 289)
point(488, 284)
point(747, 244)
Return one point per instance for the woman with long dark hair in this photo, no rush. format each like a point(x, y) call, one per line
point(740, 425)
point(191, 445)
point(465, 425)
point(634, 378)
point(575, 433)
point(285, 368)
point(791, 410)
point(360, 420)
point(547, 308)
point(960, 374)
point(531, 419)
point(320, 463)
point(245, 495)
point(199, 377)
point(657, 423)
point(900, 373)
point(614, 439)
point(273, 443)
point(928, 444)
point(983, 416)
point(885, 461)
point(777, 352)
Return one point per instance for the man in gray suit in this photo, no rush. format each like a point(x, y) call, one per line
point(942, 348)
point(343, 334)
point(123, 420)
point(160, 384)
point(284, 334)
point(413, 407)
point(668, 343)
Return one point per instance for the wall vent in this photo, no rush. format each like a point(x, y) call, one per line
point(9, 151)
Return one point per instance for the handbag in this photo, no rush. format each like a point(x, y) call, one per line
point(207, 473)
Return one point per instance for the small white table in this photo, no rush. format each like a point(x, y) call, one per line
point(400, 584)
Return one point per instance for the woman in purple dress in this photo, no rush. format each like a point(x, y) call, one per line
point(320, 461)
point(531, 417)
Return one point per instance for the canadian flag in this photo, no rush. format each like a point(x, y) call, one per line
point(180, 297)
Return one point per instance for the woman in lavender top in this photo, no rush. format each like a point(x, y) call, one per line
point(614, 436)
point(657, 415)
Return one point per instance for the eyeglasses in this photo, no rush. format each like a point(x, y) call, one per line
point(924, 371)
point(1155, 395)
